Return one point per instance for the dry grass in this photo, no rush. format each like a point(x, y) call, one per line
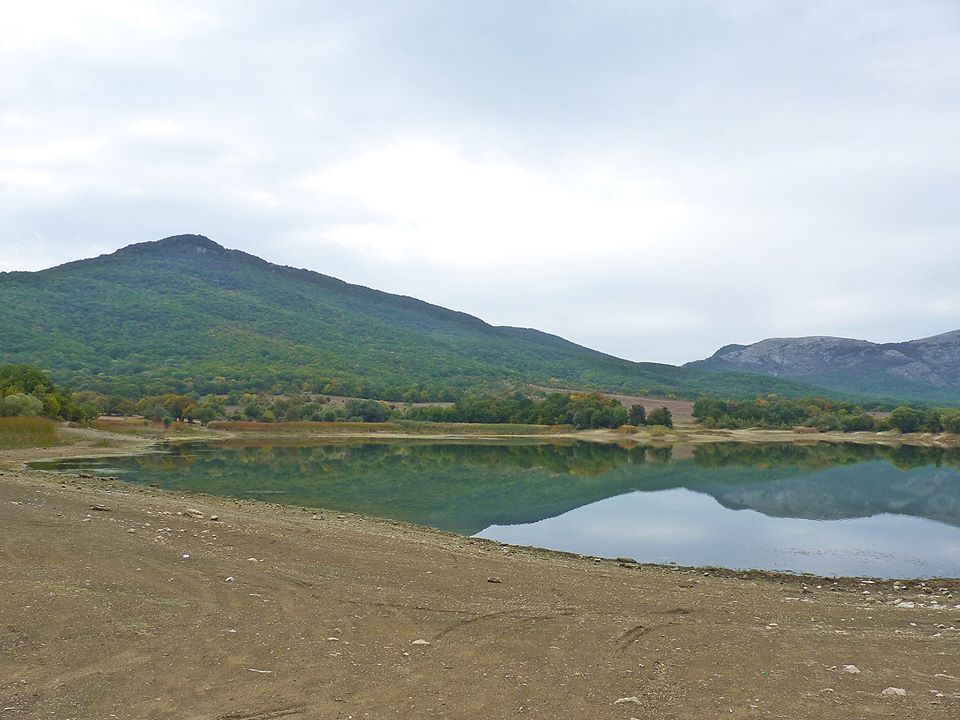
point(27, 432)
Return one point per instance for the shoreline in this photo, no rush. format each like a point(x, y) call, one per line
point(129, 600)
point(126, 445)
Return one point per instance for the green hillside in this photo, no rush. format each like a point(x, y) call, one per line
point(185, 314)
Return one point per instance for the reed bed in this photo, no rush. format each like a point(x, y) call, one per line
point(28, 432)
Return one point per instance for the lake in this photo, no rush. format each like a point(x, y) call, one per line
point(822, 508)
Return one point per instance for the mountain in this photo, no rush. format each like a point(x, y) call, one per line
point(926, 369)
point(185, 313)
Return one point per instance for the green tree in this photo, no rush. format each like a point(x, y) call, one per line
point(660, 416)
point(951, 422)
point(638, 414)
point(203, 414)
point(154, 412)
point(367, 410)
point(21, 405)
point(905, 419)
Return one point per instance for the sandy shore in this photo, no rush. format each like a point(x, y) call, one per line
point(118, 602)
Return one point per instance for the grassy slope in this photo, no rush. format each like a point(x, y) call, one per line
point(156, 316)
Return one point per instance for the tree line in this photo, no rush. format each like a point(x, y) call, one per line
point(822, 414)
point(26, 390)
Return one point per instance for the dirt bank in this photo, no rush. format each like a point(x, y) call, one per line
point(118, 602)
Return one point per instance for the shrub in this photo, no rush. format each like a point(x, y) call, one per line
point(20, 405)
point(660, 416)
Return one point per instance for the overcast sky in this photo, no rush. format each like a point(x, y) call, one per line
point(654, 179)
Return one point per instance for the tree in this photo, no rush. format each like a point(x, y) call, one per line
point(951, 422)
point(660, 416)
point(204, 414)
point(20, 405)
point(154, 412)
point(367, 410)
point(126, 407)
point(905, 419)
point(638, 415)
point(24, 379)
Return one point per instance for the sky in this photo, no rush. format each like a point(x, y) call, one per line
point(650, 178)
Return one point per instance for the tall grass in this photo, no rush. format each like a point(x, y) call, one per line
point(27, 432)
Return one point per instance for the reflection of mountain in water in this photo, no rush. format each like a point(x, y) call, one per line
point(850, 491)
point(465, 488)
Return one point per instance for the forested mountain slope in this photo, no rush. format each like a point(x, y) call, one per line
point(926, 369)
point(184, 313)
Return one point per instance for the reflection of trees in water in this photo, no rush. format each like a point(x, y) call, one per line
point(465, 487)
point(578, 459)
point(583, 459)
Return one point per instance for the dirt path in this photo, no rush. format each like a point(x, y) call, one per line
point(137, 609)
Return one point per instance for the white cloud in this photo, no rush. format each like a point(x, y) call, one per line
point(99, 26)
point(652, 179)
point(429, 200)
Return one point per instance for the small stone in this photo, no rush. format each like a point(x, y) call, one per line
point(215, 518)
point(633, 699)
point(230, 579)
point(131, 530)
point(100, 508)
point(420, 642)
point(893, 692)
point(852, 669)
point(193, 512)
point(494, 579)
point(186, 556)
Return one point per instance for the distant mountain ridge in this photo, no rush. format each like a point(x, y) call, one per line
point(926, 369)
point(186, 314)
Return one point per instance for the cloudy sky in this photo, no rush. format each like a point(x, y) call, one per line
point(652, 178)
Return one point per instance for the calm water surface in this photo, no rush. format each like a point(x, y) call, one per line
point(825, 509)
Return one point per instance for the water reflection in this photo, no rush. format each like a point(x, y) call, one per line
point(686, 503)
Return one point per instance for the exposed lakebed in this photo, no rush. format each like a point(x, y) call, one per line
point(824, 509)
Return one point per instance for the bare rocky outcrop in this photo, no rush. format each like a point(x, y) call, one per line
point(928, 368)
